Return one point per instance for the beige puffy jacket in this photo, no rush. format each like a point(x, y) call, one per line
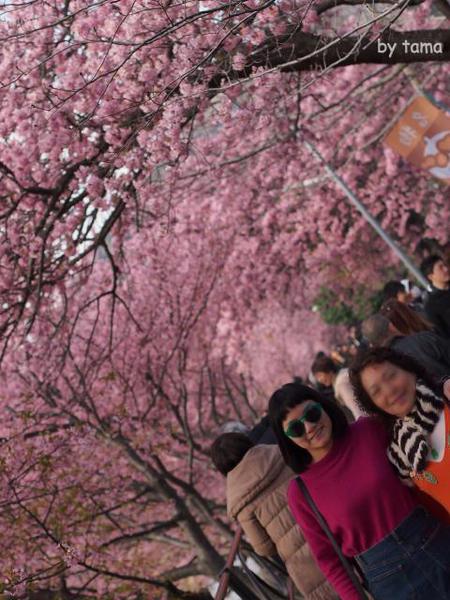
point(256, 497)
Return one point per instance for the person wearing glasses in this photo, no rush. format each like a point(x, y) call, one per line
point(403, 552)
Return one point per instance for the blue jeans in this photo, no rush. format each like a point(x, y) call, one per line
point(412, 562)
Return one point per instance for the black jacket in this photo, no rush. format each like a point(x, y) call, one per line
point(437, 309)
point(262, 432)
point(429, 349)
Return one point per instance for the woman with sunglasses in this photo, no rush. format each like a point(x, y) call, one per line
point(404, 552)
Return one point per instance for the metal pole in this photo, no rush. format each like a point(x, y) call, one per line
point(369, 218)
point(225, 576)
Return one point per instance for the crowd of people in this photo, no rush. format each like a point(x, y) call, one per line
point(346, 478)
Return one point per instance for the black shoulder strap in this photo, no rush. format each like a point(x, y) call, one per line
point(344, 561)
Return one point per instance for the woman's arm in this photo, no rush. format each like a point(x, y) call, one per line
point(324, 553)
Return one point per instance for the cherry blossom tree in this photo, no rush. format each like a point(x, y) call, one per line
point(164, 235)
point(112, 409)
point(110, 113)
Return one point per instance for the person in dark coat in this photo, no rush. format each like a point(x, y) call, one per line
point(437, 303)
point(428, 348)
point(262, 432)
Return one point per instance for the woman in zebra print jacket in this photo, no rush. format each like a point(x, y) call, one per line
point(412, 406)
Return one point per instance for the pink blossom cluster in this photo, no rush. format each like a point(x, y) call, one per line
point(164, 234)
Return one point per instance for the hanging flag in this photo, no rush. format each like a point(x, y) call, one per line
point(422, 136)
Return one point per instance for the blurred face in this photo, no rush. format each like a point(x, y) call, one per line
point(324, 378)
point(404, 297)
point(390, 388)
point(317, 438)
point(353, 350)
point(440, 275)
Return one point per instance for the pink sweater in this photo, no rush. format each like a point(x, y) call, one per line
point(357, 491)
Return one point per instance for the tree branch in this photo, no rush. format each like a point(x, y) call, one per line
point(187, 570)
point(328, 4)
point(303, 51)
point(443, 6)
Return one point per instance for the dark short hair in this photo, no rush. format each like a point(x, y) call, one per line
point(391, 289)
point(228, 450)
point(323, 364)
point(427, 265)
point(376, 356)
point(288, 397)
point(376, 329)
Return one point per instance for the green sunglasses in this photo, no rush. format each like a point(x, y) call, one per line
point(296, 427)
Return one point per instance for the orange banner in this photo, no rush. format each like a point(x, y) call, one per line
point(422, 136)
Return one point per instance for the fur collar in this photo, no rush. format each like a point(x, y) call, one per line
point(408, 450)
